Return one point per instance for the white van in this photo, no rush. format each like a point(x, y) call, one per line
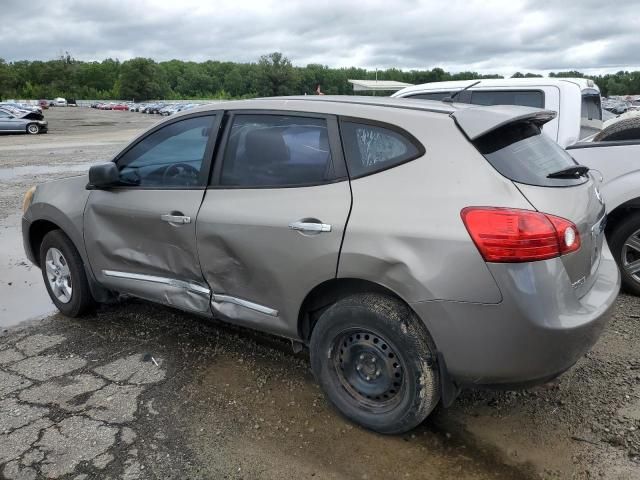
point(59, 102)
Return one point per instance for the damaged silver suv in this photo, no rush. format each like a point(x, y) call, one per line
point(415, 247)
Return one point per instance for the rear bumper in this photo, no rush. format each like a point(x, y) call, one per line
point(539, 330)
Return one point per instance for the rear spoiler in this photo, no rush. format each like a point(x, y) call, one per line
point(478, 121)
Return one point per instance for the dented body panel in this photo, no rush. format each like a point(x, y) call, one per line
point(248, 251)
point(124, 234)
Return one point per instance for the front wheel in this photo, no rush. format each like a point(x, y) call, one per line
point(376, 363)
point(624, 241)
point(64, 275)
point(33, 128)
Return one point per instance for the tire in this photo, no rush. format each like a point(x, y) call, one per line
point(76, 300)
point(375, 362)
point(33, 128)
point(625, 129)
point(625, 230)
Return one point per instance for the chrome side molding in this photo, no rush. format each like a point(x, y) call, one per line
point(244, 303)
point(195, 288)
point(189, 286)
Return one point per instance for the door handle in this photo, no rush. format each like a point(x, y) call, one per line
point(310, 227)
point(178, 219)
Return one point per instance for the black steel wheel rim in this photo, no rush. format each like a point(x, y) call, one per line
point(369, 368)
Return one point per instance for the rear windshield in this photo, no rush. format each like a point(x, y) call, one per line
point(519, 152)
point(528, 98)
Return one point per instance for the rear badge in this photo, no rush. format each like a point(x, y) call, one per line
point(578, 282)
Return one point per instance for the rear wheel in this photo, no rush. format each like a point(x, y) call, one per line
point(376, 363)
point(33, 128)
point(64, 275)
point(625, 246)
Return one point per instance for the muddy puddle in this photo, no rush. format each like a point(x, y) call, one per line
point(22, 292)
point(17, 173)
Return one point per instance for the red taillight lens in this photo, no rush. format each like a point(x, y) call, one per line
point(512, 235)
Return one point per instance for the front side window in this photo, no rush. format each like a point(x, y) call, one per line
point(527, 98)
point(276, 151)
point(170, 157)
point(369, 148)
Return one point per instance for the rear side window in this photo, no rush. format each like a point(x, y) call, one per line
point(519, 152)
point(277, 151)
point(370, 148)
point(591, 116)
point(527, 98)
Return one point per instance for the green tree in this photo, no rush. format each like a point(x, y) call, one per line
point(142, 79)
point(276, 75)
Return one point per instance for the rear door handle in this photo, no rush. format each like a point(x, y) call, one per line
point(177, 219)
point(309, 227)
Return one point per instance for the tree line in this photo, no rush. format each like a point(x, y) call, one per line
point(142, 79)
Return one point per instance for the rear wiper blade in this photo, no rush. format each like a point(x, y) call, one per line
point(571, 172)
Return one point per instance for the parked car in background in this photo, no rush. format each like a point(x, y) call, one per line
point(120, 106)
point(71, 102)
point(443, 246)
point(43, 104)
point(21, 121)
point(612, 151)
point(59, 102)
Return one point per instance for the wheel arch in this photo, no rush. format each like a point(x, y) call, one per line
point(617, 214)
point(324, 295)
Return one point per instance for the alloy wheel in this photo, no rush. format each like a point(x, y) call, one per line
point(631, 255)
point(58, 275)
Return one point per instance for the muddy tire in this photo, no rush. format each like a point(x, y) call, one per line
point(624, 240)
point(376, 363)
point(625, 129)
point(64, 275)
point(33, 129)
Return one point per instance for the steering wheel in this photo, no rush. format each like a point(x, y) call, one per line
point(182, 171)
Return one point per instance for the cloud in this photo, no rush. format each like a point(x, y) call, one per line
point(499, 36)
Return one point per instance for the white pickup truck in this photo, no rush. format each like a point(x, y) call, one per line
point(612, 153)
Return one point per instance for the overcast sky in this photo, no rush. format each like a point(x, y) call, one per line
point(501, 36)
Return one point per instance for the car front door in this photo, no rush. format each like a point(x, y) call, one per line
point(6, 122)
point(141, 235)
point(271, 223)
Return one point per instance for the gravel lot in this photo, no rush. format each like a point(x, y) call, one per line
point(139, 391)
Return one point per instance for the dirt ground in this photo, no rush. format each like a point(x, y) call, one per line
point(139, 391)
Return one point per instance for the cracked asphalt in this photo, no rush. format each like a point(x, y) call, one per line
point(140, 391)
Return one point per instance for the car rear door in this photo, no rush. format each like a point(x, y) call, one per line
point(271, 223)
point(141, 236)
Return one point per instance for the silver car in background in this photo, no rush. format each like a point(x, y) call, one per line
point(13, 120)
point(415, 247)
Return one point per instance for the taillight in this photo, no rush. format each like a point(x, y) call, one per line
point(512, 235)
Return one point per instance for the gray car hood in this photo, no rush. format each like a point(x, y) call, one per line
point(477, 121)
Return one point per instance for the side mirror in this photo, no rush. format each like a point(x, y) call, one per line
point(103, 175)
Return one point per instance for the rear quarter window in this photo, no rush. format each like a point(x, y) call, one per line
point(521, 153)
point(370, 147)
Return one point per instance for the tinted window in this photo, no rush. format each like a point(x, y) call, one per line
point(276, 150)
point(369, 148)
point(519, 152)
point(171, 156)
point(508, 97)
point(432, 95)
point(591, 121)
